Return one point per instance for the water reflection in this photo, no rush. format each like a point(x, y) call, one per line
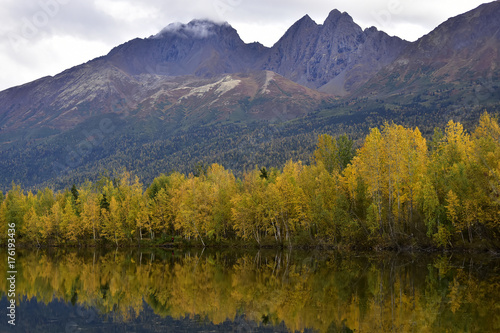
point(257, 291)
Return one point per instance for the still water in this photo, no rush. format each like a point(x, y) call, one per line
point(251, 291)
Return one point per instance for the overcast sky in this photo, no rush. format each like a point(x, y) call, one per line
point(45, 37)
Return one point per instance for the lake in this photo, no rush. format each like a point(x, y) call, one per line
point(155, 290)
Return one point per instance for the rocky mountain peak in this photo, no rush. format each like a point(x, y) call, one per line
point(299, 31)
point(200, 47)
point(370, 30)
point(333, 57)
point(336, 18)
point(306, 21)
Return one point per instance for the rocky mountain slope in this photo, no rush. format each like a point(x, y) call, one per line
point(461, 56)
point(62, 102)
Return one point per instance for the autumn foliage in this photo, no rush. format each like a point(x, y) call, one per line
point(396, 190)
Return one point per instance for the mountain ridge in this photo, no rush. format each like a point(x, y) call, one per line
point(461, 51)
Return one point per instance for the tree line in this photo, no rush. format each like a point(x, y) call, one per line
point(397, 189)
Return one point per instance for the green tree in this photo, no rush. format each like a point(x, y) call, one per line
point(327, 152)
point(345, 151)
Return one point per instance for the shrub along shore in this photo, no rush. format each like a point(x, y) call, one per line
point(396, 191)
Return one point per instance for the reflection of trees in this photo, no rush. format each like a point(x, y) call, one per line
point(326, 293)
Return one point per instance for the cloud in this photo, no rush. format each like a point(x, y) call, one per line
point(194, 29)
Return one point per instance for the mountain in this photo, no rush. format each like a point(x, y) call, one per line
point(336, 57)
point(196, 92)
point(460, 57)
point(201, 71)
point(58, 104)
point(201, 48)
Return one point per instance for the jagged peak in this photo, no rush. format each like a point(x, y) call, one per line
point(305, 22)
point(335, 16)
point(373, 32)
point(194, 29)
point(341, 22)
point(371, 29)
point(306, 19)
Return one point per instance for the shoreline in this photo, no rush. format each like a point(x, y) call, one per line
point(282, 247)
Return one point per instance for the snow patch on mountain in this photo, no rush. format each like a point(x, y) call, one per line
point(222, 86)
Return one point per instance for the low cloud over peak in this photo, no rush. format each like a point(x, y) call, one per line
point(194, 29)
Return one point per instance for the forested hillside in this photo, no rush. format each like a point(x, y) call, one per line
point(397, 190)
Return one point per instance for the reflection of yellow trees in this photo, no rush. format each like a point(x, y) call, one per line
point(325, 294)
